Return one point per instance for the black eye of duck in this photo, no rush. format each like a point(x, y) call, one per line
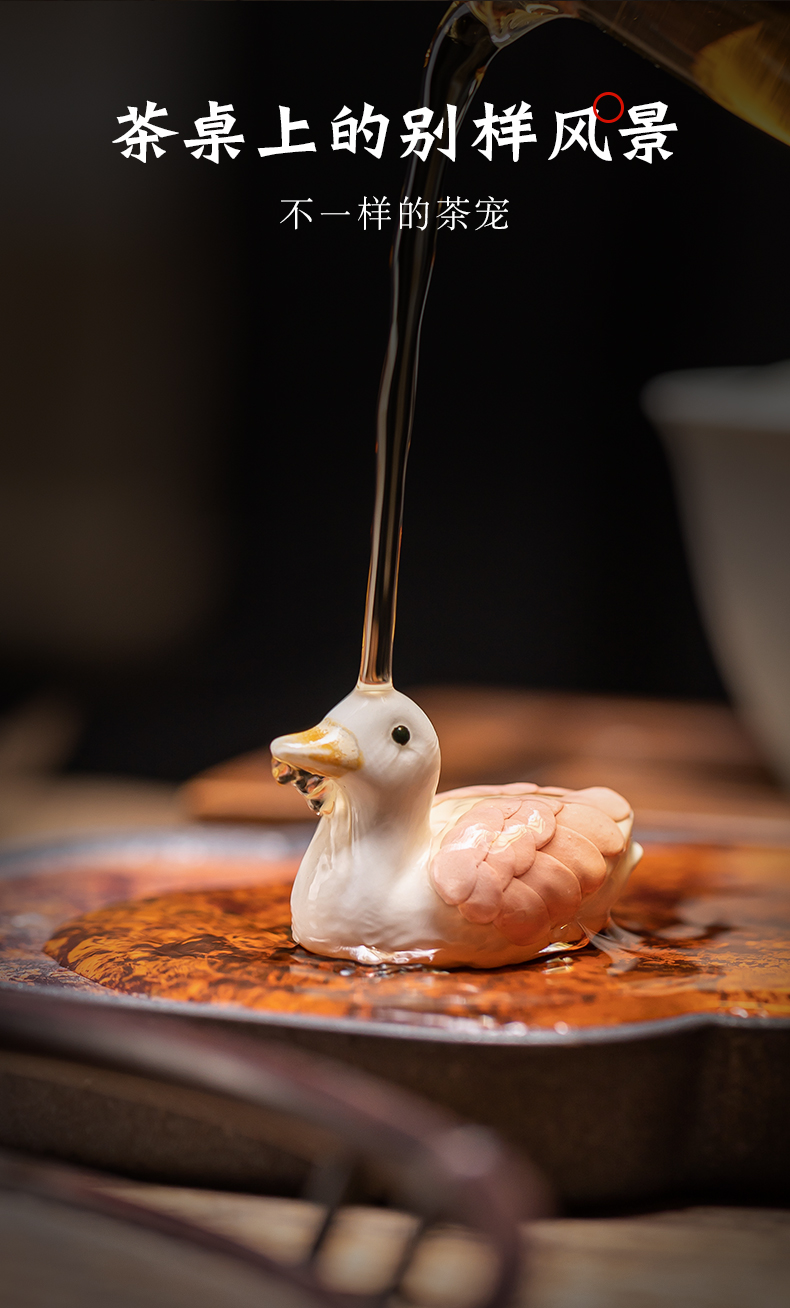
point(401, 735)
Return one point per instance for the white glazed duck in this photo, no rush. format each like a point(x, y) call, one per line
point(479, 877)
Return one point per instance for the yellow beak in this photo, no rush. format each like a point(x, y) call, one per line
point(328, 750)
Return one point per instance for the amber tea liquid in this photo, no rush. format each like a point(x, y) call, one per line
point(463, 47)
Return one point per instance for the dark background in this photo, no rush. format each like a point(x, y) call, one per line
point(189, 385)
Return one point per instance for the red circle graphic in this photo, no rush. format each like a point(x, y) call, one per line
point(603, 96)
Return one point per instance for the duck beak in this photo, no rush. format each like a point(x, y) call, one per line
point(327, 750)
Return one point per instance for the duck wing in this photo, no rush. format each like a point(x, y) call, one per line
point(526, 858)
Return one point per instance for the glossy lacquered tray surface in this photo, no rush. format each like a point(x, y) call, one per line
point(661, 1066)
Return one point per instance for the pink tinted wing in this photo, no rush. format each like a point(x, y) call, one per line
point(579, 855)
point(608, 801)
point(454, 873)
point(486, 849)
point(551, 803)
point(595, 825)
point(513, 850)
point(538, 817)
point(557, 886)
point(510, 854)
point(485, 901)
point(523, 917)
point(458, 864)
point(464, 792)
point(524, 858)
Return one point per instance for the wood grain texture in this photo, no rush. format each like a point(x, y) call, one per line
point(703, 1257)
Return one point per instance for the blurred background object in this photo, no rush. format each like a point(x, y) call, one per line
point(330, 1134)
point(728, 432)
point(38, 799)
point(72, 1236)
point(113, 364)
point(684, 766)
point(701, 1257)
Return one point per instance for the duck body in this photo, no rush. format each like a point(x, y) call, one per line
point(479, 877)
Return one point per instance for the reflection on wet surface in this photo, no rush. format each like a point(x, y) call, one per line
point(700, 929)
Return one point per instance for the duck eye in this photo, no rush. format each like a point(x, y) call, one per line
point(401, 735)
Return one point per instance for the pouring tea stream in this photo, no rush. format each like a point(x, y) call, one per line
point(489, 875)
point(483, 877)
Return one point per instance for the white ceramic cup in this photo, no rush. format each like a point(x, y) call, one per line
point(727, 432)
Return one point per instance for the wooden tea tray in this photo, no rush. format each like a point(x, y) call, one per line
point(657, 1074)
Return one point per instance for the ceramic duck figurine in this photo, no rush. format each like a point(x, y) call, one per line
point(478, 877)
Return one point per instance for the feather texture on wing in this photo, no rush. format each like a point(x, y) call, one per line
point(523, 858)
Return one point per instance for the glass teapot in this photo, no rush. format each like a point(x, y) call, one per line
point(736, 51)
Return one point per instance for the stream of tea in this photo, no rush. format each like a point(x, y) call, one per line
point(468, 38)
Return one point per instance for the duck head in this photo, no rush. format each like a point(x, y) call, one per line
point(376, 746)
